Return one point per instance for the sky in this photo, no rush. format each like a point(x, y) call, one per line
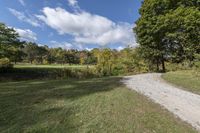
point(73, 24)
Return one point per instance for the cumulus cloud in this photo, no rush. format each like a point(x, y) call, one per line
point(74, 23)
point(120, 33)
point(22, 2)
point(87, 28)
point(64, 45)
point(26, 34)
point(26, 18)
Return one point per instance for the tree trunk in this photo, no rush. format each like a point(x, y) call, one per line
point(163, 65)
point(157, 65)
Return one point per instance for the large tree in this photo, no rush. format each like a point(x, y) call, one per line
point(9, 42)
point(168, 29)
point(31, 51)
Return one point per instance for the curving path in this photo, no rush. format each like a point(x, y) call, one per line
point(183, 104)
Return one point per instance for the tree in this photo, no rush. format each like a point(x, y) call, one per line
point(41, 54)
point(9, 42)
point(83, 57)
point(72, 56)
point(30, 49)
point(51, 56)
point(165, 30)
point(131, 60)
point(17, 55)
point(183, 38)
point(105, 61)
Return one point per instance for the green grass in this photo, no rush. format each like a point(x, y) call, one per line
point(95, 105)
point(188, 80)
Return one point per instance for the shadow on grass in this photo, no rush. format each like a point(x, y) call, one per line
point(31, 73)
point(43, 105)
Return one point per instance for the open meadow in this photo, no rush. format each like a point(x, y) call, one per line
point(99, 66)
point(92, 105)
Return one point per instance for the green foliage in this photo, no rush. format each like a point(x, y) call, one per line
point(197, 61)
point(131, 61)
point(44, 55)
point(29, 73)
point(126, 61)
point(108, 62)
point(9, 43)
point(105, 62)
point(169, 30)
point(35, 53)
point(5, 63)
point(178, 66)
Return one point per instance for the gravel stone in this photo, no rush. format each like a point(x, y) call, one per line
point(181, 103)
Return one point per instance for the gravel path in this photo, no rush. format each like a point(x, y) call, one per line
point(183, 104)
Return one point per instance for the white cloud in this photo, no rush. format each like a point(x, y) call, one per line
point(87, 28)
point(74, 5)
point(26, 18)
point(73, 2)
point(39, 44)
point(75, 23)
point(26, 34)
point(64, 45)
point(22, 2)
point(120, 33)
point(120, 48)
point(89, 49)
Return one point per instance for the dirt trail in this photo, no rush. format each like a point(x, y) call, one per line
point(183, 104)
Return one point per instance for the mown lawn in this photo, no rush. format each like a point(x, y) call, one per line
point(93, 105)
point(188, 80)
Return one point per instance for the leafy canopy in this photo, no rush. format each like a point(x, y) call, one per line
point(169, 30)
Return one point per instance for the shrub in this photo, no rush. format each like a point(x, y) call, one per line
point(47, 73)
point(5, 63)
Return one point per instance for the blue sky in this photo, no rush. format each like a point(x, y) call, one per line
point(80, 24)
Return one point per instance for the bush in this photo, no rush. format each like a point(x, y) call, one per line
point(118, 70)
point(5, 63)
point(47, 73)
point(185, 65)
point(197, 62)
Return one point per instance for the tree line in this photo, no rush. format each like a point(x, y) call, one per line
point(45, 55)
point(107, 61)
point(14, 50)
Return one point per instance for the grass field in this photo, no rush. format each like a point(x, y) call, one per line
point(188, 80)
point(93, 105)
